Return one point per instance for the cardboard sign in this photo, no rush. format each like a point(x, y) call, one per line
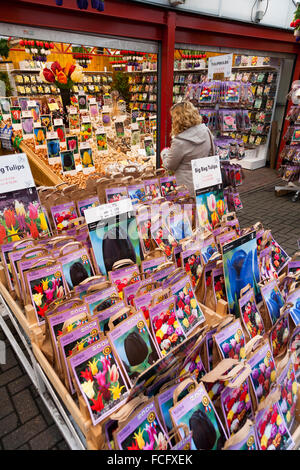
point(220, 64)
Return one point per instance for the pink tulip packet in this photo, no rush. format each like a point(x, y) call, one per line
point(231, 341)
point(45, 285)
point(67, 319)
point(152, 188)
point(99, 379)
point(131, 290)
point(236, 406)
point(149, 266)
point(250, 315)
point(263, 373)
point(24, 265)
point(197, 412)
point(86, 204)
point(63, 214)
point(188, 311)
point(75, 341)
point(123, 277)
point(76, 267)
point(165, 325)
point(143, 432)
point(116, 194)
point(279, 257)
point(105, 315)
point(134, 346)
point(100, 300)
point(144, 302)
point(288, 393)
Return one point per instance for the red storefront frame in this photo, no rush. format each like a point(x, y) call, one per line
point(135, 20)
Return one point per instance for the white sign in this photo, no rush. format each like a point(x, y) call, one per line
point(58, 122)
point(86, 119)
point(15, 173)
point(206, 172)
point(220, 64)
point(105, 211)
point(52, 135)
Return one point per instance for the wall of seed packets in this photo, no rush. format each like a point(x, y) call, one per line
point(127, 300)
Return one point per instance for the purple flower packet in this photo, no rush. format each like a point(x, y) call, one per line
point(161, 275)
point(283, 430)
point(121, 277)
point(6, 248)
point(104, 316)
point(24, 265)
point(40, 274)
point(165, 402)
point(90, 329)
point(226, 237)
point(116, 194)
point(81, 289)
point(103, 350)
point(66, 210)
point(57, 320)
point(86, 203)
point(146, 419)
point(293, 266)
point(285, 381)
point(131, 290)
point(238, 407)
point(93, 299)
point(293, 298)
point(250, 297)
point(149, 266)
point(152, 188)
point(231, 338)
point(136, 192)
point(247, 443)
point(81, 261)
point(262, 363)
point(144, 301)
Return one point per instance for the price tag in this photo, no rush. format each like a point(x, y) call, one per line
point(85, 145)
point(52, 135)
point(93, 101)
point(106, 109)
point(73, 110)
point(58, 122)
point(26, 114)
point(100, 130)
point(53, 106)
point(31, 103)
point(85, 119)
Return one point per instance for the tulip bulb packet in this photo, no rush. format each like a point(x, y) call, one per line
point(130, 291)
point(165, 326)
point(45, 285)
point(63, 214)
point(210, 206)
point(288, 393)
point(294, 299)
point(152, 188)
point(236, 406)
point(84, 204)
point(75, 341)
point(99, 379)
point(101, 299)
point(116, 194)
point(149, 266)
point(250, 315)
point(266, 267)
point(76, 267)
point(244, 439)
point(124, 277)
point(53, 148)
point(231, 341)
point(163, 238)
point(188, 311)
point(279, 257)
point(143, 431)
point(39, 137)
point(219, 284)
point(137, 193)
point(112, 311)
point(134, 346)
point(263, 374)
point(191, 260)
point(240, 269)
point(208, 249)
point(273, 300)
point(167, 185)
point(86, 157)
point(279, 335)
point(6, 249)
point(271, 430)
point(143, 219)
point(68, 162)
point(193, 364)
point(197, 412)
point(144, 302)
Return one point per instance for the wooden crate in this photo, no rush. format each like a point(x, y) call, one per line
point(42, 174)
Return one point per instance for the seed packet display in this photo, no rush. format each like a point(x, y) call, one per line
point(273, 300)
point(124, 277)
point(236, 406)
point(63, 214)
point(86, 157)
point(105, 315)
point(45, 285)
point(99, 380)
point(288, 393)
point(271, 430)
point(294, 299)
point(135, 137)
point(263, 373)
point(68, 162)
point(86, 204)
point(218, 284)
point(75, 341)
point(53, 150)
point(149, 266)
point(61, 133)
point(143, 432)
point(72, 144)
point(76, 267)
point(197, 412)
point(231, 341)
point(163, 238)
point(119, 128)
point(39, 137)
point(294, 267)
point(188, 311)
point(100, 300)
point(74, 121)
point(136, 192)
point(116, 194)
point(152, 188)
point(192, 262)
point(46, 122)
point(134, 346)
point(165, 326)
point(143, 219)
point(240, 268)
point(149, 146)
point(113, 234)
point(101, 139)
point(167, 185)
point(250, 315)
point(208, 249)
point(15, 113)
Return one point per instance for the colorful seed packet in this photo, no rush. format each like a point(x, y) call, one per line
point(63, 214)
point(271, 430)
point(188, 311)
point(46, 121)
point(150, 265)
point(247, 440)
point(279, 335)
point(105, 315)
point(75, 341)
point(99, 379)
point(82, 288)
point(130, 291)
point(135, 137)
point(288, 393)
point(136, 192)
point(101, 139)
point(219, 284)
point(119, 128)
point(76, 267)
point(72, 144)
point(68, 162)
point(86, 157)
point(208, 248)
point(165, 326)
point(279, 257)
point(250, 315)
point(236, 406)
point(45, 285)
point(39, 137)
point(61, 133)
point(113, 234)
point(144, 302)
point(294, 299)
point(124, 277)
point(149, 146)
point(143, 220)
point(134, 346)
point(94, 110)
point(152, 188)
point(273, 300)
point(101, 299)
point(82, 102)
point(263, 373)
point(198, 413)
point(231, 341)
point(116, 194)
point(226, 237)
point(84, 204)
point(6, 248)
point(141, 123)
point(167, 185)
point(163, 238)
point(74, 121)
point(294, 267)
point(240, 269)
point(27, 126)
point(143, 432)
point(15, 112)
point(191, 260)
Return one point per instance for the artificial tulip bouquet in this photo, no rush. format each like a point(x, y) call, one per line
point(62, 77)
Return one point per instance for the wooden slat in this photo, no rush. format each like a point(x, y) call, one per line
point(42, 174)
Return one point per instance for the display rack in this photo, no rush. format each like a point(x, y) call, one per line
point(143, 90)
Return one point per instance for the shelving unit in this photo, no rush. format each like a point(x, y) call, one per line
point(143, 91)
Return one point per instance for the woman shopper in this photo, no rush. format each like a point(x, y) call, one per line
point(190, 140)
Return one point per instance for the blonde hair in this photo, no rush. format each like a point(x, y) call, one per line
point(184, 115)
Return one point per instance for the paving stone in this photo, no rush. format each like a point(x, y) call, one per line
point(24, 447)
point(19, 384)
point(10, 358)
point(10, 375)
point(25, 405)
point(8, 424)
point(6, 406)
point(24, 433)
point(46, 439)
point(62, 445)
